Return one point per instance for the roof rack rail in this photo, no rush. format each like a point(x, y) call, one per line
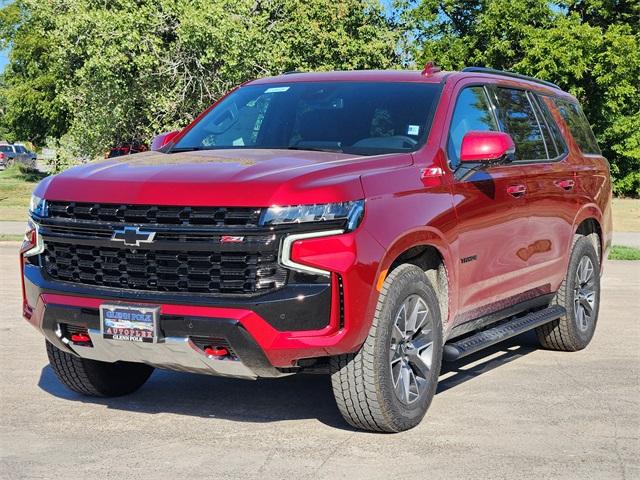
point(506, 73)
point(291, 72)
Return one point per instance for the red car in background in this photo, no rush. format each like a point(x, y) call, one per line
point(128, 149)
point(366, 224)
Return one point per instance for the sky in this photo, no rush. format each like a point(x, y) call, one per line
point(3, 60)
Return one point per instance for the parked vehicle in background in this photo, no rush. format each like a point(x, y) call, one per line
point(365, 224)
point(127, 149)
point(17, 153)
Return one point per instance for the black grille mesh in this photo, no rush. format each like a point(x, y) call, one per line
point(164, 270)
point(155, 214)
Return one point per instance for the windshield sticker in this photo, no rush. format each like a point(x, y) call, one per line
point(413, 130)
point(276, 89)
point(238, 142)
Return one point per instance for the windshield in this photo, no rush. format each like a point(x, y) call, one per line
point(359, 118)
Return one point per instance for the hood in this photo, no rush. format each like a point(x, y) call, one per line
point(218, 178)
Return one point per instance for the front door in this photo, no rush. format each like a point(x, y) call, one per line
point(491, 214)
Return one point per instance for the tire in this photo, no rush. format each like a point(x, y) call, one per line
point(575, 330)
point(368, 385)
point(94, 378)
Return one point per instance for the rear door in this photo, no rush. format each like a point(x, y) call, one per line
point(550, 199)
point(491, 213)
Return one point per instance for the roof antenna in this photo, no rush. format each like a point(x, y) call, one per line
point(430, 68)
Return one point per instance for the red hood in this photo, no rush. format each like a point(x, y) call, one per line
point(218, 177)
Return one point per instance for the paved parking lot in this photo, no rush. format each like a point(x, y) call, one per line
point(513, 412)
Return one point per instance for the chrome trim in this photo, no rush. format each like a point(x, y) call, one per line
point(39, 247)
point(285, 250)
point(173, 353)
point(136, 230)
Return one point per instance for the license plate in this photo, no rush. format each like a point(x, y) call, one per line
point(129, 323)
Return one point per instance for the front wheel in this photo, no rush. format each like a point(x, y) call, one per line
point(389, 383)
point(94, 378)
point(579, 294)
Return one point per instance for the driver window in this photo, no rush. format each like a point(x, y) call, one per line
point(472, 112)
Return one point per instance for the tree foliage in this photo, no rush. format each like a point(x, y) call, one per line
point(103, 72)
point(590, 48)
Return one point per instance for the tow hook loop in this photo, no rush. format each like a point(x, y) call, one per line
point(216, 351)
point(80, 338)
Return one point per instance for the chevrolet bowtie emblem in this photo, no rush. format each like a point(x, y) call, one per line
point(133, 236)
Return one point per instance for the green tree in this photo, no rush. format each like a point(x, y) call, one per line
point(100, 73)
point(590, 48)
point(31, 108)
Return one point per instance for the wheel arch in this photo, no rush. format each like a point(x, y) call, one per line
point(588, 221)
point(427, 249)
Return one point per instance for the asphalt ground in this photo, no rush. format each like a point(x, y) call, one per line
point(514, 411)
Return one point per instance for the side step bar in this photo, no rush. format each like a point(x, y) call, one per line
point(486, 338)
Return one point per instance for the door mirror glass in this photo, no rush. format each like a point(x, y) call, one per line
point(487, 147)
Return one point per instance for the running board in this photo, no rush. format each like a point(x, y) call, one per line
point(486, 338)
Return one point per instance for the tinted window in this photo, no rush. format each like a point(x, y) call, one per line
point(6, 148)
point(472, 112)
point(519, 121)
point(552, 151)
point(360, 118)
point(20, 149)
point(578, 125)
point(556, 135)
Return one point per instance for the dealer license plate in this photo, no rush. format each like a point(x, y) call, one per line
point(129, 323)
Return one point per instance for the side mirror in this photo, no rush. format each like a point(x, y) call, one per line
point(163, 139)
point(489, 148)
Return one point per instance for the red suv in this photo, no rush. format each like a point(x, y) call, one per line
point(365, 224)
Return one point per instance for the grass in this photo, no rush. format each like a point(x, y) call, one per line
point(16, 184)
point(624, 253)
point(626, 215)
point(10, 238)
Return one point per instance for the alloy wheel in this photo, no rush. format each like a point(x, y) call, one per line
point(584, 298)
point(411, 350)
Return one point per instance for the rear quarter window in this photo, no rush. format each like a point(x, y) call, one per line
point(578, 125)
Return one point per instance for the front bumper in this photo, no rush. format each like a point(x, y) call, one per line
point(270, 334)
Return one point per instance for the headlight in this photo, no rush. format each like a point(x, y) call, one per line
point(38, 206)
point(350, 212)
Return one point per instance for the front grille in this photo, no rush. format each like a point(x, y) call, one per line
point(155, 214)
point(164, 270)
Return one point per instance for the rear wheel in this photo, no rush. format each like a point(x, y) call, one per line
point(579, 294)
point(389, 383)
point(94, 378)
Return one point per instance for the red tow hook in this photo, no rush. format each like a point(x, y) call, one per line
point(216, 351)
point(80, 338)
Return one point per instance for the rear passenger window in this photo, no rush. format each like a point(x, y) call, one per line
point(472, 112)
point(556, 136)
point(578, 124)
point(519, 121)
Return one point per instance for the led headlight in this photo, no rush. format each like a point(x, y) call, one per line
point(38, 206)
point(350, 212)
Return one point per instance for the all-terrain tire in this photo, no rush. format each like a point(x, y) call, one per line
point(566, 333)
point(363, 381)
point(94, 378)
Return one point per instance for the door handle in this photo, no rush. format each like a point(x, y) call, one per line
point(565, 184)
point(517, 190)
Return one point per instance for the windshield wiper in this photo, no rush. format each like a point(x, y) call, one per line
point(315, 149)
